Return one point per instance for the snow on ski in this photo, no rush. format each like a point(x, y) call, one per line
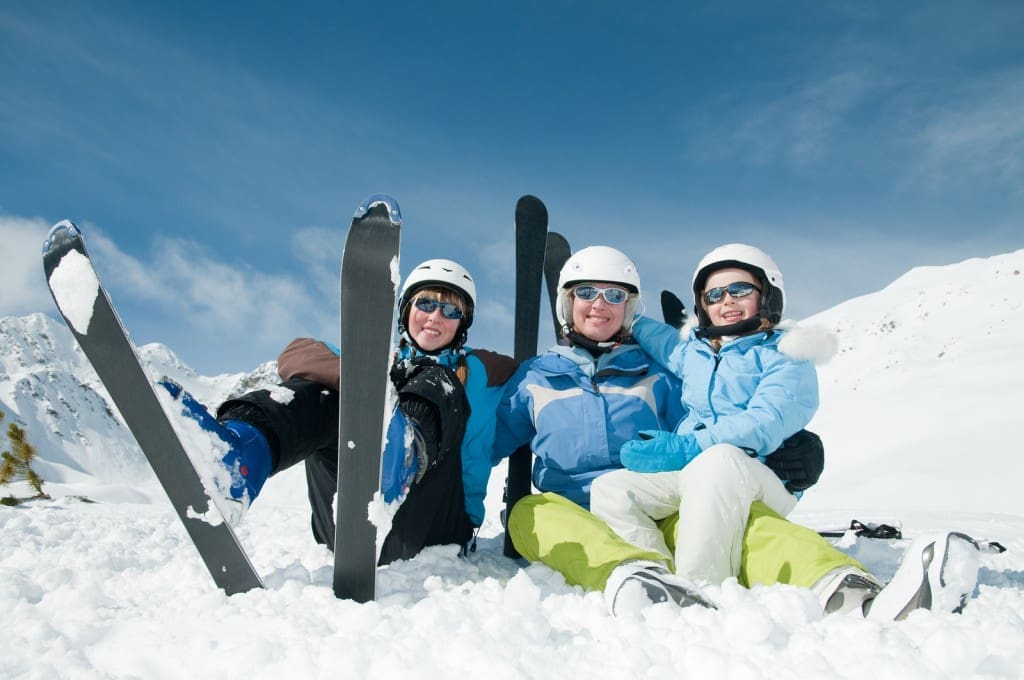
point(531, 239)
point(369, 279)
point(94, 323)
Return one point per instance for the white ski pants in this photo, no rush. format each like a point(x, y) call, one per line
point(712, 495)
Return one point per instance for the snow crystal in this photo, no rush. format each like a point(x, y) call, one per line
point(282, 394)
point(212, 516)
point(75, 288)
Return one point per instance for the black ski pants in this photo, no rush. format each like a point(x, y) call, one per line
point(306, 430)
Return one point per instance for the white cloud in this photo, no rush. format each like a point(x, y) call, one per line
point(224, 300)
point(24, 286)
point(797, 123)
point(979, 132)
point(802, 126)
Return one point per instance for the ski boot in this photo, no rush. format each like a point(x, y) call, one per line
point(845, 590)
point(247, 461)
point(939, 572)
point(634, 585)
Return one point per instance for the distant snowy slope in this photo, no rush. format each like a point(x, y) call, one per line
point(925, 392)
point(47, 385)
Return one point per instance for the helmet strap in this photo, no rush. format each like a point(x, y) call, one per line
point(579, 340)
point(738, 328)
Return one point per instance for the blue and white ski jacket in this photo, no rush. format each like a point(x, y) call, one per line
point(576, 411)
point(751, 393)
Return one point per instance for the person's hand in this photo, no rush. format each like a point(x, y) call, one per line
point(423, 419)
point(799, 461)
point(659, 451)
point(412, 447)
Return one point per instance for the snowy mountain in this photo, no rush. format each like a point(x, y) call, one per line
point(48, 386)
point(917, 415)
point(924, 390)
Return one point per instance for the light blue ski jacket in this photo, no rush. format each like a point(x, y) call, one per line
point(749, 394)
point(576, 411)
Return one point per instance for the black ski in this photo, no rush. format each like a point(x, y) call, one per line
point(531, 238)
point(867, 530)
point(89, 314)
point(555, 255)
point(369, 277)
point(673, 311)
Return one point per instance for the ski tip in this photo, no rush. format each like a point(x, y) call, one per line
point(556, 239)
point(62, 231)
point(531, 201)
point(389, 203)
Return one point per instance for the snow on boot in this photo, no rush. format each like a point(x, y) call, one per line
point(244, 454)
point(635, 585)
point(846, 589)
point(939, 572)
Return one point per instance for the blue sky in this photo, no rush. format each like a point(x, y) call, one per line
point(214, 152)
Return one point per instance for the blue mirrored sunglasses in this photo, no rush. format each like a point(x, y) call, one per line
point(737, 290)
point(611, 295)
point(449, 310)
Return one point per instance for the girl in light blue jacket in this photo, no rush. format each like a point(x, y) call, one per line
point(746, 388)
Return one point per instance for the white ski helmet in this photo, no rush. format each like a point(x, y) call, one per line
point(755, 261)
point(598, 264)
point(445, 274)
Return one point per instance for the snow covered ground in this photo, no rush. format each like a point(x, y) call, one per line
point(918, 417)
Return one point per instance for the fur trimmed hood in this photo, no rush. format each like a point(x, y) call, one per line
point(802, 342)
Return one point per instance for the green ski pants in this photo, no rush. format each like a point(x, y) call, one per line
point(551, 529)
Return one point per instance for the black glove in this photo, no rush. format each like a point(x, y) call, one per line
point(673, 311)
point(434, 401)
point(422, 415)
point(799, 461)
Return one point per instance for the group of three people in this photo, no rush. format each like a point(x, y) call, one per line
point(652, 445)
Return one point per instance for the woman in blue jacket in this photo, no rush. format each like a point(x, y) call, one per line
point(578, 403)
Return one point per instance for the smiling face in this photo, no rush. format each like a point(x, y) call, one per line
point(731, 310)
point(433, 331)
point(597, 319)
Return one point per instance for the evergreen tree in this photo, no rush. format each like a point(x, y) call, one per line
point(17, 463)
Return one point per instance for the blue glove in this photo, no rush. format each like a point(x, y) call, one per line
point(662, 452)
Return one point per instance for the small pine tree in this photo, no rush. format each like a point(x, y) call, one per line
point(18, 462)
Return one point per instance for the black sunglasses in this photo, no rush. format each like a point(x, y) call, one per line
point(739, 289)
point(449, 310)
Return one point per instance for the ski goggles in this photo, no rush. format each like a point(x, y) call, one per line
point(740, 289)
point(611, 295)
point(449, 310)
